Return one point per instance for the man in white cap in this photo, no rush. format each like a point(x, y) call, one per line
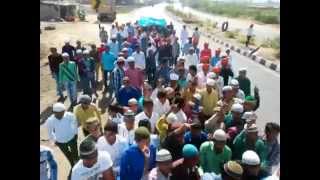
point(164, 166)
point(219, 82)
point(234, 118)
point(184, 36)
point(244, 81)
point(191, 58)
point(63, 131)
point(249, 140)
point(84, 111)
point(127, 127)
point(139, 58)
point(67, 48)
point(231, 170)
point(94, 164)
point(228, 100)
point(251, 164)
point(215, 153)
point(68, 77)
point(174, 82)
point(117, 76)
point(114, 46)
point(209, 99)
point(135, 74)
point(78, 56)
point(250, 118)
point(238, 93)
point(134, 106)
point(87, 69)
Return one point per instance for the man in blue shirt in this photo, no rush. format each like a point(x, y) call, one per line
point(163, 72)
point(107, 59)
point(127, 92)
point(272, 131)
point(195, 136)
point(114, 46)
point(46, 157)
point(187, 46)
point(140, 158)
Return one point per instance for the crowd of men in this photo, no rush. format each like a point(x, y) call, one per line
point(180, 111)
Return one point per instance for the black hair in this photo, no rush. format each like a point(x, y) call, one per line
point(114, 108)
point(111, 126)
point(193, 67)
point(145, 123)
point(147, 101)
point(179, 101)
point(162, 93)
point(271, 126)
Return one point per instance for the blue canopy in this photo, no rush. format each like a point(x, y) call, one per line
point(149, 21)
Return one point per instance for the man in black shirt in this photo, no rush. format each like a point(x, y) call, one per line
point(67, 48)
point(54, 60)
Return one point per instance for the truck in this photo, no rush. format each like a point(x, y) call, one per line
point(106, 10)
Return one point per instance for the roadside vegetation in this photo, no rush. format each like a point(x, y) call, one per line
point(236, 10)
point(271, 45)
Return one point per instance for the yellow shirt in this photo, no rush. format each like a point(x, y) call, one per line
point(209, 101)
point(83, 115)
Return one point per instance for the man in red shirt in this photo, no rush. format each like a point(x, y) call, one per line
point(206, 51)
point(101, 49)
point(135, 74)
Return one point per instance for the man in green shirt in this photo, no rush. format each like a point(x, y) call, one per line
point(248, 140)
point(244, 82)
point(68, 77)
point(213, 154)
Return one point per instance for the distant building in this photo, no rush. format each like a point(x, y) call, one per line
point(55, 9)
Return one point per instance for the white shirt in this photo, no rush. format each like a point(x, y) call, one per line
point(240, 95)
point(181, 117)
point(202, 79)
point(124, 133)
point(250, 32)
point(154, 94)
point(113, 32)
point(140, 59)
point(219, 85)
point(80, 172)
point(124, 34)
point(160, 108)
point(191, 60)
point(63, 130)
point(117, 119)
point(184, 36)
point(115, 150)
point(153, 119)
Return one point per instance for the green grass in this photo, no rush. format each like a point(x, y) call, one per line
point(235, 10)
point(271, 43)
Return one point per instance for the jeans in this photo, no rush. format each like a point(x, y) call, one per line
point(58, 86)
point(88, 85)
point(70, 150)
point(71, 87)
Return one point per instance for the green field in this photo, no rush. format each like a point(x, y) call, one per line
point(236, 10)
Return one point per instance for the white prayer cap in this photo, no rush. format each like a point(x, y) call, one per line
point(237, 108)
point(252, 128)
point(125, 49)
point(226, 88)
point(234, 83)
point(67, 41)
point(130, 59)
point(174, 77)
point(79, 51)
point(58, 107)
point(169, 90)
point(197, 96)
point(163, 155)
point(220, 135)
point(86, 51)
point(211, 82)
point(250, 158)
point(65, 54)
point(212, 75)
point(133, 101)
point(249, 116)
point(171, 118)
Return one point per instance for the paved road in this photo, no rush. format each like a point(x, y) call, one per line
point(268, 81)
